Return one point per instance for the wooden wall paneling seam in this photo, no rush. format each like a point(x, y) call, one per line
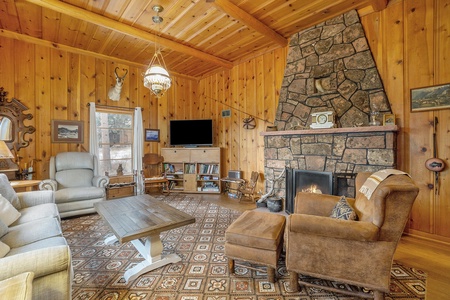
point(74, 106)
point(393, 66)
point(260, 125)
point(417, 71)
point(241, 100)
point(442, 75)
point(42, 116)
point(234, 102)
point(7, 71)
point(24, 89)
point(58, 92)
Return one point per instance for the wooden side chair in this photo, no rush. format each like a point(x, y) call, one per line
point(247, 190)
point(154, 175)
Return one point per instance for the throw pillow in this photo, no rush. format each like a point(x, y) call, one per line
point(4, 249)
point(8, 192)
point(3, 229)
point(342, 210)
point(17, 287)
point(8, 214)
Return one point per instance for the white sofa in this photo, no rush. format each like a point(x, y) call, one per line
point(75, 180)
point(33, 243)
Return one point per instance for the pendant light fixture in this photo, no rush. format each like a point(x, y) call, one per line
point(156, 78)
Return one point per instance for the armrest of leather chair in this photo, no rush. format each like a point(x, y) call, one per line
point(48, 184)
point(332, 228)
point(100, 181)
point(28, 199)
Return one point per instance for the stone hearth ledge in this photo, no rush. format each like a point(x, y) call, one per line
point(389, 128)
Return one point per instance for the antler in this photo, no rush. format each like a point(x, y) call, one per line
point(117, 75)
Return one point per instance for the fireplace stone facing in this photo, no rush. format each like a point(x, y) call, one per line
point(338, 150)
point(330, 68)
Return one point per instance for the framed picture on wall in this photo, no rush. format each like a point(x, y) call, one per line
point(67, 131)
point(430, 98)
point(151, 135)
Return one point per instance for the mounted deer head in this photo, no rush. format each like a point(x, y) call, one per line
point(114, 92)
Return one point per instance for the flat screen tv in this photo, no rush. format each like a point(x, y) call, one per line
point(191, 133)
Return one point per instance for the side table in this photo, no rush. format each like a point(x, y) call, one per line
point(232, 186)
point(25, 185)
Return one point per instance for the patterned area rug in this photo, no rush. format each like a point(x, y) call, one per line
point(203, 272)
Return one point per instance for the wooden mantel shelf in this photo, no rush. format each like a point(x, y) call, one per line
point(332, 130)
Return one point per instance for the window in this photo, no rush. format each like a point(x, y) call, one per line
point(115, 140)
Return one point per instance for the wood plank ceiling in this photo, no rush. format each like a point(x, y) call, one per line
point(197, 37)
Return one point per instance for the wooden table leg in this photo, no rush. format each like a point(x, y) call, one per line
point(150, 248)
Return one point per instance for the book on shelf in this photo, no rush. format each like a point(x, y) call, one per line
point(208, 168)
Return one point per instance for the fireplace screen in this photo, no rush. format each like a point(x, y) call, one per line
point(306, 181)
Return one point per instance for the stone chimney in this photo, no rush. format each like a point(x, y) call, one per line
point(330, 68)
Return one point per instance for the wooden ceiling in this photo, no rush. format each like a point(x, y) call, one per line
point(197, 37)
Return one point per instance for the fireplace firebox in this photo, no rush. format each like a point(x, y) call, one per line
point(317, 182)
point(306, 181)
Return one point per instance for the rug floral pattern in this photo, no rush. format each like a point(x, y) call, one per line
point(203, 271)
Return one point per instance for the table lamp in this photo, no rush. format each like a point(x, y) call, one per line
point(5, 155)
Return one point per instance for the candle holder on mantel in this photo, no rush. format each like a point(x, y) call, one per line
point(373, 118)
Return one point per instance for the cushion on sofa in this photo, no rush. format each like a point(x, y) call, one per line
point(4, 249)
point(33, 213)
point(18, 287)
point(8, 192)
point(8, 213)
point(78, 194)
point(343, 210)
point(3, 229)
point(31, 232)
point(47, 243)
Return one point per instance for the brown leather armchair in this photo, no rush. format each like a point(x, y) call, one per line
point(354, 252)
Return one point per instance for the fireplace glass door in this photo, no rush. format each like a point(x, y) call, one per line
point(306, 181)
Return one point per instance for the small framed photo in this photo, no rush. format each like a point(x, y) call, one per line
point(430, 98)
point(66, 131)
point(151, 135)
point(388, 119)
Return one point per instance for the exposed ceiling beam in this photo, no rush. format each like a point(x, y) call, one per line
point(379, 5)
point(100, 20)
point(56, 46)
point(247, 19)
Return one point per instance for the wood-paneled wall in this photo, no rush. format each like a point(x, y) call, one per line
point(58, 85)
point(250, 89)
point(409, 41)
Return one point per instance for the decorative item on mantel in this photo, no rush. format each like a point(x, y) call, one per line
point(323, 119)
point(374, 113)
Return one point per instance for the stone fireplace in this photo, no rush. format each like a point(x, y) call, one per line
point(341, 151)
point(330, 68)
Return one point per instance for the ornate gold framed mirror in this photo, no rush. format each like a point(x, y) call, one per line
point(13, 131)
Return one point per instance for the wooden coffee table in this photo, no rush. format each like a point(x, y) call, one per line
point(139, 220)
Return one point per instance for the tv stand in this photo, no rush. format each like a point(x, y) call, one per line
point(192, 170)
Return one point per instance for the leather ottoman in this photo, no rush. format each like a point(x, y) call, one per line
point(256, 237)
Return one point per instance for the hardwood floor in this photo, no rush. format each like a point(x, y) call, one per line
point(429, 256)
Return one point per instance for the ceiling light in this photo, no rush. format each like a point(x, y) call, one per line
point(156, 78)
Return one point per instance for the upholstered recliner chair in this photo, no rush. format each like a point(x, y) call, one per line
point(75, 180)
point(357, 252)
